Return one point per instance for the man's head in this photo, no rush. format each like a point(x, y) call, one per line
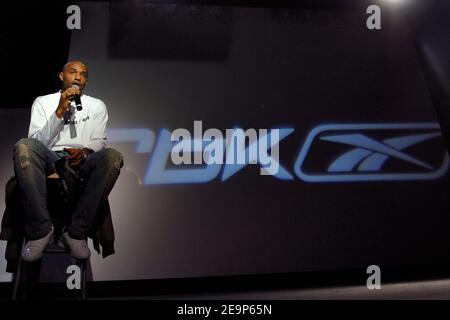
point(74, 73)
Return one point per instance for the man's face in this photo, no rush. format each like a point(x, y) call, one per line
point(74, 73)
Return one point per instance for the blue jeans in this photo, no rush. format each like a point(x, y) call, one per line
point(33, 162)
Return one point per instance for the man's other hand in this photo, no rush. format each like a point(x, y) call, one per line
point(76, 156)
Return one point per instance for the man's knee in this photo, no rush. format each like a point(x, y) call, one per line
point(113, 158)
point(28, 143)
point(23, 150)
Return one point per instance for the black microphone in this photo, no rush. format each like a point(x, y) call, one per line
point(77, 99)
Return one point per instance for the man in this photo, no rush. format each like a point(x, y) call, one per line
point(57, 129)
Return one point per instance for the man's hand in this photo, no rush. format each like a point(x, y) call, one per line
point(76, 156)
point(64, 100)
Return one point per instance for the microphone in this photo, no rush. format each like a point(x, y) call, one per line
point(77, 99)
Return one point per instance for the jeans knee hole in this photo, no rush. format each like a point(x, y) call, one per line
point(24, 155)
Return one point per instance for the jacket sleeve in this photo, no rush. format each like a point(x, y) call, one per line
point(42, 127)
point(98, 136)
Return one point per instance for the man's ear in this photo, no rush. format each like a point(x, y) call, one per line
point(61, 76)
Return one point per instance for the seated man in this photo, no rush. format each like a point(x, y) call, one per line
point(59, 129)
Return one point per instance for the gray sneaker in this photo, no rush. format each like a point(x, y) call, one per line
point(34, 249)
point(78, 248)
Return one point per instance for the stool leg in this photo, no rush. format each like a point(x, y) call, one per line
point(18, 273)
point(83, 277)
point(17, 279)
point(81, 294)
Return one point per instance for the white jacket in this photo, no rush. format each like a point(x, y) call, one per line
point(87, 128)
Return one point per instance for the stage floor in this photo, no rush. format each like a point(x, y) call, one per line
point(435, 289)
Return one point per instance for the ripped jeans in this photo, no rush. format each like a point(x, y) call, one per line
point(33, 162)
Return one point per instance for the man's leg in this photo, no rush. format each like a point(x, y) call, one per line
point(32, 163)
point(100, 171)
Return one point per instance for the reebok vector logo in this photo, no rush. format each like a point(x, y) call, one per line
point(371, 152)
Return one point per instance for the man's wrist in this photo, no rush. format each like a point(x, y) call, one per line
point(59, 113)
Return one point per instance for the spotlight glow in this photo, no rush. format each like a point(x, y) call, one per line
point(395, 1)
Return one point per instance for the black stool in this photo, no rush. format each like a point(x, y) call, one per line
point(28, 272)
point(57, 200)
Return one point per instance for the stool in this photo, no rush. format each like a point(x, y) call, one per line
point(55, 193)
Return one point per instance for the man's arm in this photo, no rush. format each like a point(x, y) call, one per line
point(43, 129)
point(98, 136)
point(46, 129)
